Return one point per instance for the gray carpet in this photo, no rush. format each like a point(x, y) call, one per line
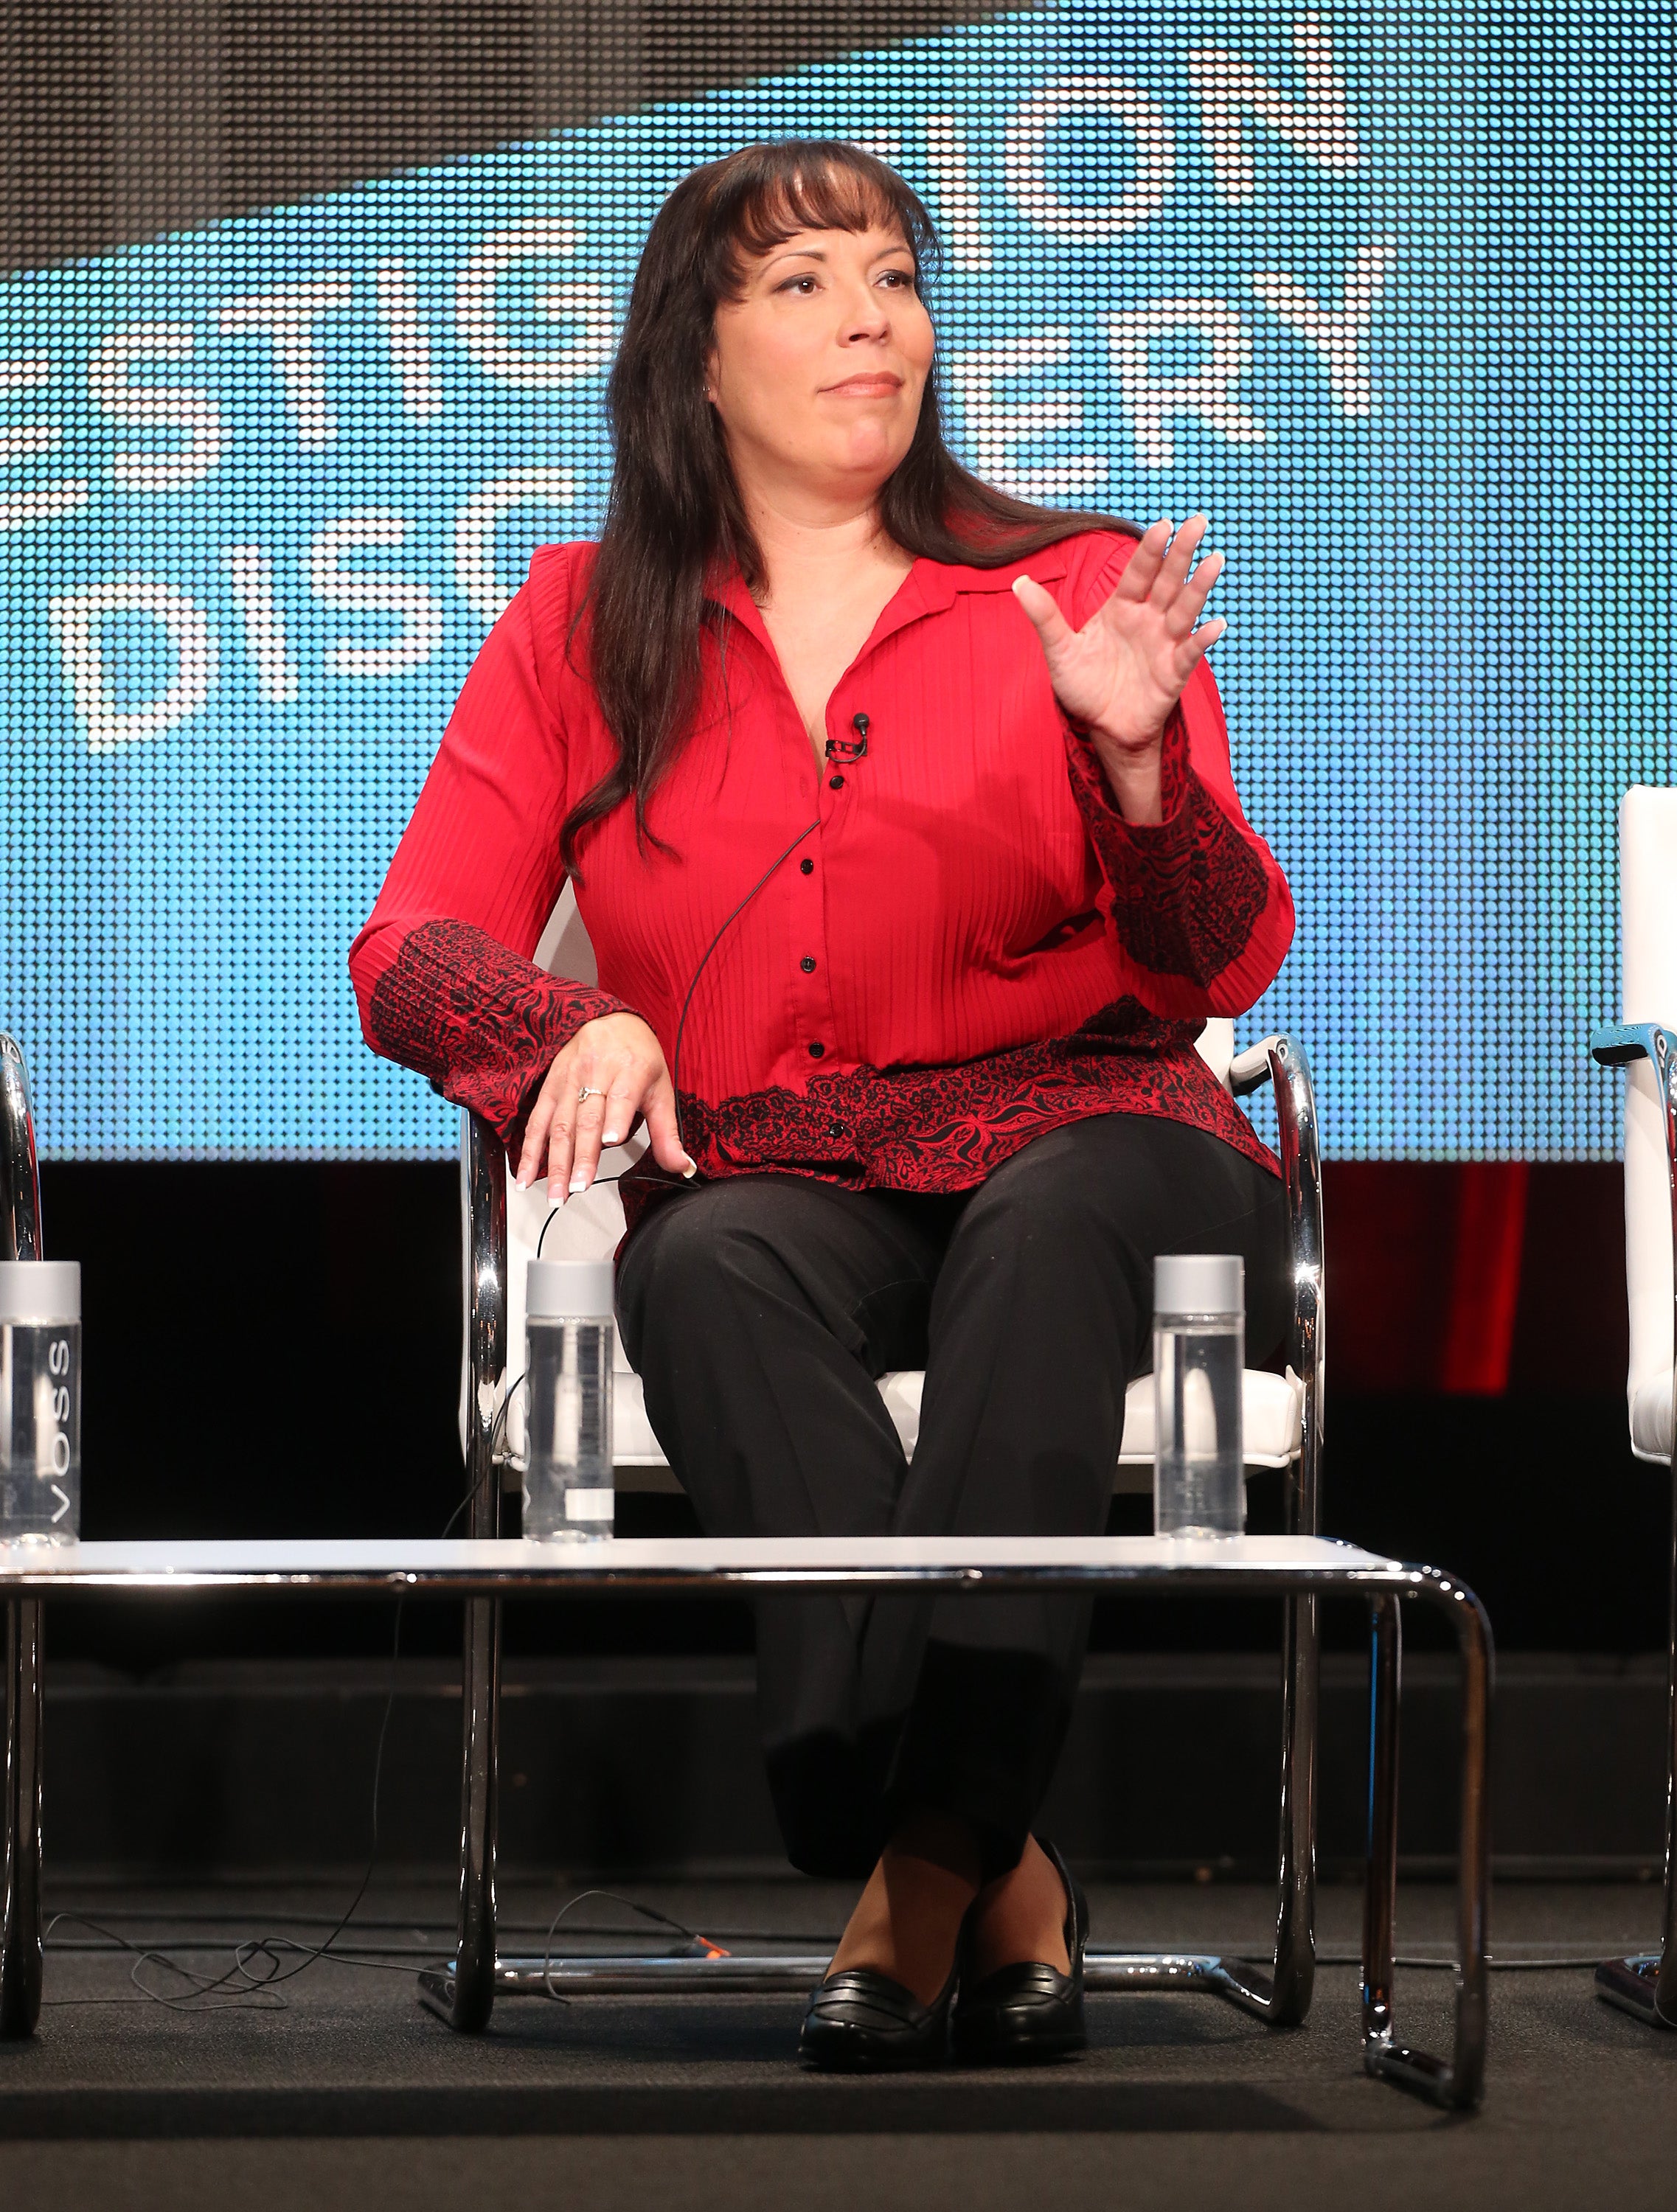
point(349, 2094)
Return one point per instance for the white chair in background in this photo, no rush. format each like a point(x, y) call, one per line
point(1645, 1045)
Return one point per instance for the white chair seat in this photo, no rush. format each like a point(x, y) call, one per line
point(1272, 1414)
point(1272, 1408)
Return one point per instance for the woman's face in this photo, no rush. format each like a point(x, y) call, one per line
point(818, 368)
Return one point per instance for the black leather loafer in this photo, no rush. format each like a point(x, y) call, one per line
point(1028, 2010)
point(861, 2021)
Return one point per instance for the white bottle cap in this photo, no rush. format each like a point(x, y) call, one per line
point(40, 1290)
point(1199, 1283)
point(569, 1290)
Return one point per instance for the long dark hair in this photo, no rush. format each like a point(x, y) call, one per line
point(674, 508)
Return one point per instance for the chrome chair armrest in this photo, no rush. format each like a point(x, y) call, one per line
point(19, 1173)
point(1283, 1063)
point(483, 1256)
point(1621, 1044)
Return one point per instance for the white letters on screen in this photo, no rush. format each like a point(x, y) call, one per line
point(251, 573)
point(144, 406)
point(1206, 393)
point(474, 531)
point(1024, 165)
point(39, 502)
point(992, 426)
point(409, 341)
point(960, 211)
point(1229, 89)
point(76, 621)
point(289, 316)
point(1338, 334)
point(586, 306)
point(369, 591)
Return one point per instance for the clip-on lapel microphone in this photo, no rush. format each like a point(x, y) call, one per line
point(848, 750)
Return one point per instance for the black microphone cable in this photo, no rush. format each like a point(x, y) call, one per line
point(675, 1066)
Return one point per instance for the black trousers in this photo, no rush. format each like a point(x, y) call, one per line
point(757, 1309)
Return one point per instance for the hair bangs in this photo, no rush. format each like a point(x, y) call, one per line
point(765, 194)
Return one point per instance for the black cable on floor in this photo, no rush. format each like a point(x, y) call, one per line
point(696, 1946)
point(238, 1987)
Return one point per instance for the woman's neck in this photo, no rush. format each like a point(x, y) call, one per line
point(825, 578)
point(812, 551)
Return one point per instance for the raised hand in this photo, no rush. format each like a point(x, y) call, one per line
point(609, 1077)
point(1124, 670)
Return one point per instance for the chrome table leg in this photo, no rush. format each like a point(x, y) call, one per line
point(1646, 1984)
point(1282, 1996)
point(1457, 2083)
point(463, 1994)
point(21, 1924)
point(1380, 1876)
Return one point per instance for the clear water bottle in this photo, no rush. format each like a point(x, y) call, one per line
point(570, 1337)
point(1199, 1356)
point(41, 1399)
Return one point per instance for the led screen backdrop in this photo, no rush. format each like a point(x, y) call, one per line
point(1385, 292)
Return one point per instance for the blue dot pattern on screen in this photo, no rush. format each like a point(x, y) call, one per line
point(1380, 295)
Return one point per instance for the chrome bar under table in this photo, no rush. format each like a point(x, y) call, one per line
point(485, 1572)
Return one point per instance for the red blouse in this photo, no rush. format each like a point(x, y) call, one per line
point(969, 946)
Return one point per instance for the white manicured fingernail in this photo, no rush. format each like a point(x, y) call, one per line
point(522, 1179)
point(689, 1170)
point(609, 1137)
point(578, 1182)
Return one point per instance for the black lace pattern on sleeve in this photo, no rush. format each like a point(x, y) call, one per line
point(1186, 893)
point(481, 1024)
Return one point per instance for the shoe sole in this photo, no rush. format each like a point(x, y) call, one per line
point(836, 2051)
point(987, 2049)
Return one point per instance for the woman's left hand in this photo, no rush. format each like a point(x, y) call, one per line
point(1124, 670)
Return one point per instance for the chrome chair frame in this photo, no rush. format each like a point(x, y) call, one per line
point(1645, 1984)
point(1280, 1995)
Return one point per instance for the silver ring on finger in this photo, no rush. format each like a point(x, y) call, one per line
point(586, 1093)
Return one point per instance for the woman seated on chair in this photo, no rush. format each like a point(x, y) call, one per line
point(899, 813)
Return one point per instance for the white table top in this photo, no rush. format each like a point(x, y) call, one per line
point(464, 1567)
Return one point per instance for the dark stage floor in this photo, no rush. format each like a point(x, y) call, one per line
point(351, 2094)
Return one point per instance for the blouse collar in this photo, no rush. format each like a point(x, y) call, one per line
point(930, 587)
